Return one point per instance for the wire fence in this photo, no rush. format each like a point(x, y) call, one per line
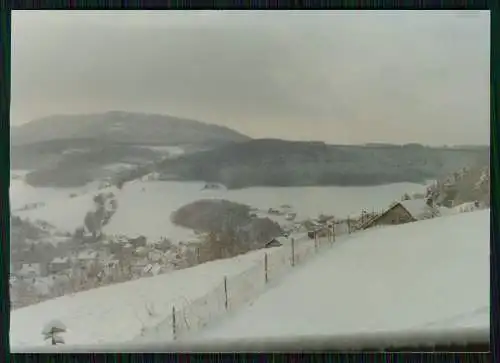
point(235, 291)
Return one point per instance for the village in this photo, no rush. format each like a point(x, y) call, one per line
point(41, 269)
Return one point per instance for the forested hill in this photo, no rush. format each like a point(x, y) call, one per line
point(272, 162)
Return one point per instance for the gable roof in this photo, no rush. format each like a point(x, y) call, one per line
point(417, 208)
point(60, 260)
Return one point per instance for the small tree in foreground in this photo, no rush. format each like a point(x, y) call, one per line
point(52, 330)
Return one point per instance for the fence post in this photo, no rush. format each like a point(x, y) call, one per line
point(348, 225)
point(197, 255)
point(315, 241)
point(225, 292)
point(265, 267)
point(293, 252)
point(174, 331)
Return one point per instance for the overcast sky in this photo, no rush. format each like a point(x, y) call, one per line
point(335, 76)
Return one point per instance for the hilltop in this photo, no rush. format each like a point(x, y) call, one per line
point(124, 128)
point(72, 150)
point(272, 162)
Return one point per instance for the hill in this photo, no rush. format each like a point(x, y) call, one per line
point(71, 150)
point(392, 279)
point(271, 162)
point(124, 128)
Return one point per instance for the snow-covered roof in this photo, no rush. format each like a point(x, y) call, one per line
point(417, 208)
point(60, 260)
point(30, 267)
point(87, 255)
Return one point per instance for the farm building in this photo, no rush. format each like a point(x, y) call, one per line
point(59, 264)
point(276, 242)
point(401, 212)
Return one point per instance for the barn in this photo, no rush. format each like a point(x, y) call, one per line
point(401, 212)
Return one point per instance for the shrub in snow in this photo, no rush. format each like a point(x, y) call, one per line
point(53, 330)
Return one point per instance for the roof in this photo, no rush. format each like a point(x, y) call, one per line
point(60, 260)
point(27, 268)
point(87, 255)
point(417, 208)
point(280, 240)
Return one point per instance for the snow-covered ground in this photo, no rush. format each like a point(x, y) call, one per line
point(425, 275)
point(172, 151)
point(428, 274)
point(22, 193)
point(144, 207)
point(65, 213)
point(117, 313)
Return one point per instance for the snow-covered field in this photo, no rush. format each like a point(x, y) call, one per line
point(144, 207)
point(22, 193)
point(423, 275)
point(117, 313)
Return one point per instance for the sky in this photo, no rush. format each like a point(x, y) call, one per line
point(345, 77)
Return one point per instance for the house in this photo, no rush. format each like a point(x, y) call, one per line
point(139, 241)
point(212, 186)
point(140, 267)
point(30, 270)
point(275, 242)
point(87, 258)
point(401, 212)
point(155, 255)
point(59, 264)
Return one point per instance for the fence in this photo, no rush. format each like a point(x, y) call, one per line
point(237, 290)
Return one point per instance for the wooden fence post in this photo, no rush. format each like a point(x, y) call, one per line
point(225, 292)
point(174, 330)
point(316, 241)
point(198, 255)
point(265, 267)
point(348, 225)
point(293, 252)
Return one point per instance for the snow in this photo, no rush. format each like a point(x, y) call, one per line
point(148, 212)
point(173, 151)
point(417, 208)
point(116, 313)
point(144, 207)
point(60, 260)
point(53, 326)
point(21, 193)
point(117, 167)
point(67, 214)
point(391, 279)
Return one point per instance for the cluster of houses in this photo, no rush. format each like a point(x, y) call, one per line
point(117, 259)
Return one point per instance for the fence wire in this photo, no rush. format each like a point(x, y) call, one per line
point(279, 262)
point(245, 286)
point(198, 313)
point(234, 291)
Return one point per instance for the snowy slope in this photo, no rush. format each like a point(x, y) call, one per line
point(432, 273)
point(117, 313)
